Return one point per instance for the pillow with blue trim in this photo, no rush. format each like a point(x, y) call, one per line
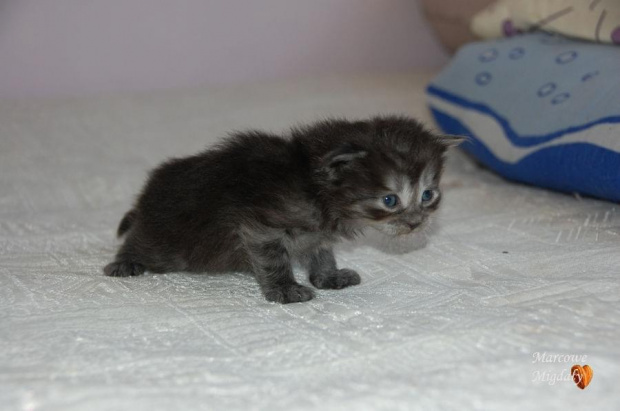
point(539, 109)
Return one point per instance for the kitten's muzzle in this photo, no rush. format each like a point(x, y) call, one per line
point(407, 228)
point(413, 226)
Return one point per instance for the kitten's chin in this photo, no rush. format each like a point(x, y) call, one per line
point(394, 231)
point(401, 232)
point(397, 244)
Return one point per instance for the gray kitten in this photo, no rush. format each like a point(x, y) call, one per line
point(259, 201)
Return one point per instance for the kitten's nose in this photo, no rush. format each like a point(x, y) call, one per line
point(413, 226)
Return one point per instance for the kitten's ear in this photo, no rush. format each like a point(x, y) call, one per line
point(343, 157)
point(451, 140)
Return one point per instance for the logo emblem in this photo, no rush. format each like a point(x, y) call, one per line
point(581, 375)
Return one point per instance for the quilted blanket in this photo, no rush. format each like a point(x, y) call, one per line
point(513, 287)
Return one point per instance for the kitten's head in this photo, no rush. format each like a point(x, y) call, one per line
point(385, 176)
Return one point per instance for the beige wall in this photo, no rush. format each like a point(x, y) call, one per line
point(73, 47)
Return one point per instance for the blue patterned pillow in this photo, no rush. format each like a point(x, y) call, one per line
point(540, 109)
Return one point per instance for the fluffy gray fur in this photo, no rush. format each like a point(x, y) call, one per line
point(258, 202)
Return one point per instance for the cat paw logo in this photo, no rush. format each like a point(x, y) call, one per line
point(581, 375)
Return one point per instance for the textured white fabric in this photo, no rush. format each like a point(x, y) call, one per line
point(509, 271)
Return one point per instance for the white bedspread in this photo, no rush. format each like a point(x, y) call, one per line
point(510, 271)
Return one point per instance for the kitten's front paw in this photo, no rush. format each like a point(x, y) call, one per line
point(293, 293)
point(337, 279)
point(123, 269)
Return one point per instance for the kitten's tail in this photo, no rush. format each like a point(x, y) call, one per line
point(126, 223)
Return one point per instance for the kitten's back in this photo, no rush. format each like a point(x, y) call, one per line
point(199, 202)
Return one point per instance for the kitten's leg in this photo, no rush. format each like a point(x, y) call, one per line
point(123, 269)
point(324, 273)
point(139, 254)
point(126, 263)
point(272, 268)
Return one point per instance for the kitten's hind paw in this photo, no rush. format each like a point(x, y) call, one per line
point(336, 279)
point(123, 269)
point(293, 293)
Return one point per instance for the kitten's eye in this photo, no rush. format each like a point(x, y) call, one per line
point(390, 201)
point(427, 196)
